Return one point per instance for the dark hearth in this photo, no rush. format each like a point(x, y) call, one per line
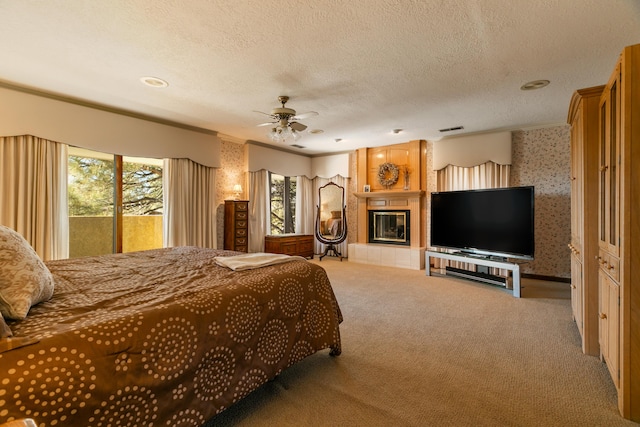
point(390, 227)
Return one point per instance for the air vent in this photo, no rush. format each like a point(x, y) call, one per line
point(452, 129)
point(297, 146)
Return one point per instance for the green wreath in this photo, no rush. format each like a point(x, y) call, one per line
point(388, 174)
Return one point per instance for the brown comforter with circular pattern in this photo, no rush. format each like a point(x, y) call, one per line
point(163, 337)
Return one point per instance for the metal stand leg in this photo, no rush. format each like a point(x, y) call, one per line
point(331, 248)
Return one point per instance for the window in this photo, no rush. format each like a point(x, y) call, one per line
point(98, 182)
point(283, 203)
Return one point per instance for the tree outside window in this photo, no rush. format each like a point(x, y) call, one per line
point(283, 203)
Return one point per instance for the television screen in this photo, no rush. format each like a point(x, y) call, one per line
point(496, 221)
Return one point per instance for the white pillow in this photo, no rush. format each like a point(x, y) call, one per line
point(24, 279)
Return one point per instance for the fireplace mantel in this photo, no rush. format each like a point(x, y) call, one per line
point(390, 194)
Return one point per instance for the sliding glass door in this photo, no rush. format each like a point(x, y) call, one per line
point(115, 203)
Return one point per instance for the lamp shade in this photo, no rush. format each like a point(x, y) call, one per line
point(237, 189)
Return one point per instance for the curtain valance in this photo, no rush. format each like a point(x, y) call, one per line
point(472, 150)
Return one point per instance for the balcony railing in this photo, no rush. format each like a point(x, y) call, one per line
point(93, 235)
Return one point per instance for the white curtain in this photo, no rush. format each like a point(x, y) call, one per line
point(486, 175)
point(317, 183)
point(454, 178)
point(259, 209)
point(305, 208)
point(189, 203)
point(33, 193)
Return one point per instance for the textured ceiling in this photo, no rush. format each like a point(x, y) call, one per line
point(366, 66)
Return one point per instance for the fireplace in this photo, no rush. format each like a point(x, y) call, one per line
point(391, 227)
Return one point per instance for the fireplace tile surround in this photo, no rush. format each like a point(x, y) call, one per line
point(387, 255)
point(401, 256)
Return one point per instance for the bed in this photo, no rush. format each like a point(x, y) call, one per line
point(165, 337)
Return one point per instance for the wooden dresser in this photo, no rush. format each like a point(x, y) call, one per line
point(236, 225)
point(290, 244)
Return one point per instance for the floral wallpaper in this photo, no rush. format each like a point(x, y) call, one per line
point(541, 157)
point(352, 201)
point(231, 172)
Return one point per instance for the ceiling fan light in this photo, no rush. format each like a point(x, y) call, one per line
point(283, 134)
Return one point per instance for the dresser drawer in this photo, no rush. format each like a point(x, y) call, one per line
point(609, 264)
point(290, 244)
point(613, 266)
point(236, 225)
point(305, 246)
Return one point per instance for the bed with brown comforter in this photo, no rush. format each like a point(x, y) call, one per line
point(165, 337)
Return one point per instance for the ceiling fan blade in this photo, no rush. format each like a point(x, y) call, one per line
point(305, 115)
point(268, 124)
point(297, 126)
point(262, 112)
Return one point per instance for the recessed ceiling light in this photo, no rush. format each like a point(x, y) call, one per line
point(536, 84)
point(154, 82)
point(316, 131)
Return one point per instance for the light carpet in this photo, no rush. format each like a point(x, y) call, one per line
point(436, 351)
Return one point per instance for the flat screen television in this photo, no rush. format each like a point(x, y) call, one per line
point(493, 222)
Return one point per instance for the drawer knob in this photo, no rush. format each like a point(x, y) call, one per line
point(603, 316)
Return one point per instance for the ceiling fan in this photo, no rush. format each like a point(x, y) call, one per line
point(285, 124)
